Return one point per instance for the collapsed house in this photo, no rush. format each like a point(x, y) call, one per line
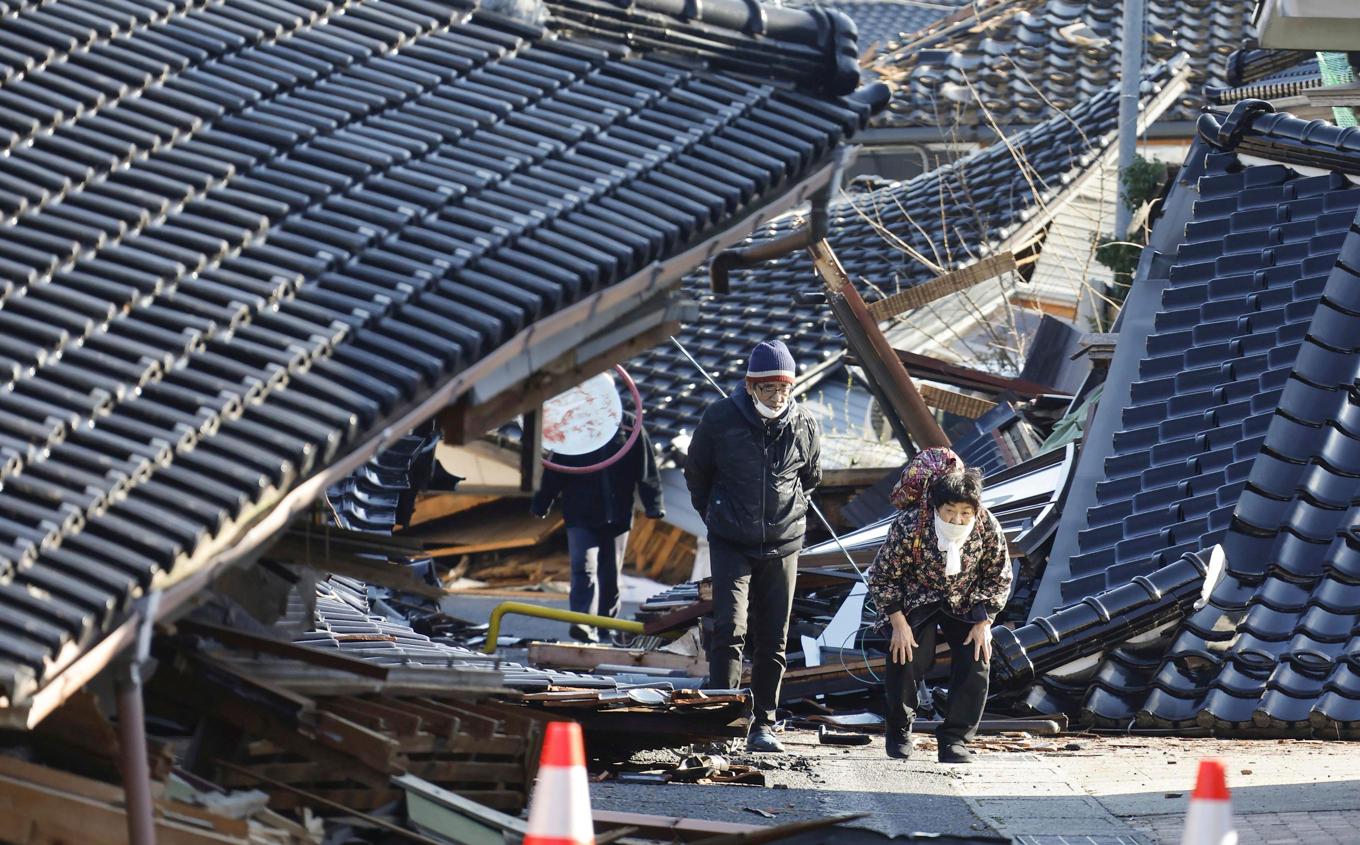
point(248, 247)
point(1243, 308)
point(1223, 447)
point(998, 66)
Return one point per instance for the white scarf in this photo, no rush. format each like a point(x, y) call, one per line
point(951, 538)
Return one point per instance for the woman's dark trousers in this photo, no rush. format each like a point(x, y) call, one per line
point(967, 682)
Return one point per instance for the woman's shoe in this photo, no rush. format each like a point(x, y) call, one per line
point(899, 746)
point(955, 753)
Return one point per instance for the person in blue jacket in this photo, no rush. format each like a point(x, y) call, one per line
point(597, 508)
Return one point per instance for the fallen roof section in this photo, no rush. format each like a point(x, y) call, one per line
point(1241, 428)
point(1226, 331)
point(244, 251)
point(1011, 63)
point(890, 239)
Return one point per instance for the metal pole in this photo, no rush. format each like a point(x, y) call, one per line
point(1130, 75)
point(141, 820)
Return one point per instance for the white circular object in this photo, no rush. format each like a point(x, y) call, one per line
point(584, 418)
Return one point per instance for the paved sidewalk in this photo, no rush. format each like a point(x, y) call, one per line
point(1320, 827)
point(1125, 790)
point(1284, 791)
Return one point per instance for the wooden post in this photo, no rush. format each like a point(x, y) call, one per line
point(530, 450)
point(893, 387)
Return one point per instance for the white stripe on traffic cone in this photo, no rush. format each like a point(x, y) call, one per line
point(559, 813)
point(1209, 819)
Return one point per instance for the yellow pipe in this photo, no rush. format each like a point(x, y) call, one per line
point(525, 609)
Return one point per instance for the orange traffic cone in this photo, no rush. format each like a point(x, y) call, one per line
point(559, 812)
point(1209, 821)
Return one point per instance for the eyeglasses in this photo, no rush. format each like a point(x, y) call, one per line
point(773, 390)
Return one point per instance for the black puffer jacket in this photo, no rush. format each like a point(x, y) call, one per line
point(750, 477)
point(604, 498)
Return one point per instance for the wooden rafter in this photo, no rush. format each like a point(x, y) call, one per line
point(968, 378)
point(941, 286)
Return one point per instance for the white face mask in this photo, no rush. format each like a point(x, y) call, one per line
point(768, 412)
point(951, 538)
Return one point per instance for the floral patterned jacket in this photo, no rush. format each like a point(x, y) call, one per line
point(908, 571)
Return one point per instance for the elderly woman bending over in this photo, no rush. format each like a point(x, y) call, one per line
point(943, 570)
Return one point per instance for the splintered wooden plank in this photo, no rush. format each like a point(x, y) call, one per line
point(398, 720)
point(438, 723)
point(507, 529)
point(921, 295)
point(563, 656)
point(49, 816)
point(432, 506)
point(368, 746)
point(470, 723)
point(681, 618)
point(958, 404)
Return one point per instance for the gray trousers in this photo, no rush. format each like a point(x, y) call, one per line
point(596, 561)
point(755, 595)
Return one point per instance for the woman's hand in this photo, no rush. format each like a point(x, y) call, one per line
point(980, 638)
point(903, 644)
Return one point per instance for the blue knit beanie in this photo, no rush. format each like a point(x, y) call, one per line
point(771, 361)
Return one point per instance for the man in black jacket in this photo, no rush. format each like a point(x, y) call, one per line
point(752, 461)
point(597, 508)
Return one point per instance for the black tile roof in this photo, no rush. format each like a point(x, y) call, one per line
point(242, 239)
point(1227, 334)
point(883, 23)
point(1266, 75)
point(1034, 56)
point(954, 215)
point(1244, 430)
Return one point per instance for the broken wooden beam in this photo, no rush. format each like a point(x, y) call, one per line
point(912, 422)
point(682, 618)
point(920, 295)
point(969, 378)
point(321, 801)
point(564, 656)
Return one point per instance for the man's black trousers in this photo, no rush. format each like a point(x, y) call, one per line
point(751, 595)
point(967, 683)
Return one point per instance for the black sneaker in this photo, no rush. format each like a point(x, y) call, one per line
point(583, 634)
point(955, 753)
point(762, 739)
point(898, 746)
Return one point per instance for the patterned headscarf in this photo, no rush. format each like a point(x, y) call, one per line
point(914, 485)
